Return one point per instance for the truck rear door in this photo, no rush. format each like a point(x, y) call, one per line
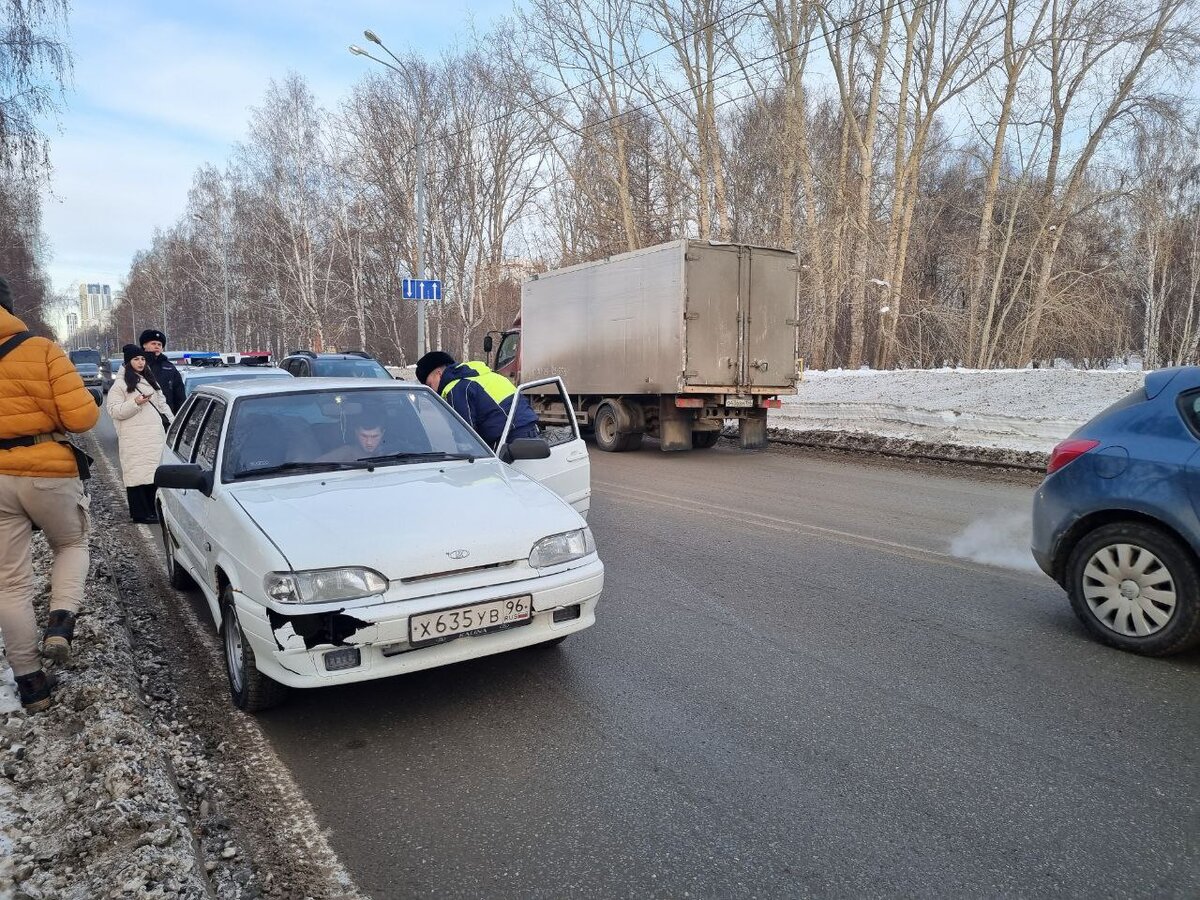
point(711, 316)
point(567, 471)
point(770, 318)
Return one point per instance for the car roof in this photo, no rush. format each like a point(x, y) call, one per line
point(235, 389)
point(329, 356)
point(194, 371)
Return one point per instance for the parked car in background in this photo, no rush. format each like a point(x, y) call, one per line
point(109, 370)
point(197, 376)
point(1116, 520)
point(344, 530)
point(90, 373)
point(351, 364)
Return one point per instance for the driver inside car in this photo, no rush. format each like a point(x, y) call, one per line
point(365, 439)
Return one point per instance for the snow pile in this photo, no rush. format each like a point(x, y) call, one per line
point(1014, 410)
point(88, 799)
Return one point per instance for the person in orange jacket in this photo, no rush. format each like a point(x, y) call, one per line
point(42, 399)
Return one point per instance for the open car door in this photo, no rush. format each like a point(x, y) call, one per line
point(567, 470)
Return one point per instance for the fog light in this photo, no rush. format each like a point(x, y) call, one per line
point(567, 613)
point(336, 660)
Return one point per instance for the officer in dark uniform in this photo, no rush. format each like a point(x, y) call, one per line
point(154, 342)
point(479, 395)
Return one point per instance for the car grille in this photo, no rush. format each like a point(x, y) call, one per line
point(451, 572)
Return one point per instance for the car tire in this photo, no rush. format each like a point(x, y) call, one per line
point(1136, 587)
point(608, 438)
point(703, 440)
point(178, 578)
point(250, 689)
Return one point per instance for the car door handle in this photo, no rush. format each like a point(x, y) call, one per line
point(577, 456)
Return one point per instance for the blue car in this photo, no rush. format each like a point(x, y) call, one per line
point(1115, 522)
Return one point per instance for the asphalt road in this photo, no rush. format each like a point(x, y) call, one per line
point(794, 689)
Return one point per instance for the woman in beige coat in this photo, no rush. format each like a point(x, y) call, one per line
point(141, 415)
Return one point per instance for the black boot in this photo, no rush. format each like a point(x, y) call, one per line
point(35, 690)
point(56, 644)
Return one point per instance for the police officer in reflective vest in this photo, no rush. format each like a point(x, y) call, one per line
point(479, 395)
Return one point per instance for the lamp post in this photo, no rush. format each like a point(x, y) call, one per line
point(224, 278)
point(420, 148)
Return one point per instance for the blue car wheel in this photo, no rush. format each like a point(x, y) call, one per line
point(1135, 587)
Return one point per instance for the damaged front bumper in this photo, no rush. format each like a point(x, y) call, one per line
point(291, 647)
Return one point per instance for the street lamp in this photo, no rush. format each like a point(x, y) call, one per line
point(359, 51)
point(225, 278)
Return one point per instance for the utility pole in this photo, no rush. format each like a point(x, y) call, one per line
point(418, 139)
point(421, 349)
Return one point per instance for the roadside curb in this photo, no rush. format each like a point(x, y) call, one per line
point(907, 448)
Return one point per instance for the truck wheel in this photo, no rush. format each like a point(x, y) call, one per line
point(249, 688)
point(702, 440)
point(608, 438)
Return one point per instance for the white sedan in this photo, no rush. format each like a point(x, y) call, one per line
point(344, 530)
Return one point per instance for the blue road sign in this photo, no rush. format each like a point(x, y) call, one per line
point(421, 289)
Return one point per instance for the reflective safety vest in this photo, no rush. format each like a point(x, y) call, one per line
point(497, 386)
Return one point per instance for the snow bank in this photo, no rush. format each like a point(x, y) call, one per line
point(89, 805)
point(1020, 410)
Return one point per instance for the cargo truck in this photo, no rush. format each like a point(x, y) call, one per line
point(670, 341)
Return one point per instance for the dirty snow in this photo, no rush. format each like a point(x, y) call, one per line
point(1021, 410)
point(140, 780)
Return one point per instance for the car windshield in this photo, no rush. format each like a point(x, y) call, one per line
point(115, 363)
point(196, 379)
point(282, 434)
point(349, 368)
point(87, 368)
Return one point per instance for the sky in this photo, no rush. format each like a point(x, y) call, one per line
point(163, 87)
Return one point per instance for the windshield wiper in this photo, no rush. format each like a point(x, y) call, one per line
point(296, 466)
point(417, 457)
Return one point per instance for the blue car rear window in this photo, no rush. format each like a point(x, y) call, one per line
point(1189, 407)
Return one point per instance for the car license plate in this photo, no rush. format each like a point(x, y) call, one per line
point(479, 618)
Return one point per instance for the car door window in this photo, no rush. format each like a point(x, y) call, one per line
point(191, 427)
point(567, 471)
point(210, 436)
point(177, 425)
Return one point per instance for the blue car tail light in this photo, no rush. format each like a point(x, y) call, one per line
point(1069, 451)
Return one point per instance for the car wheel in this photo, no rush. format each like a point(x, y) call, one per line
point(703, 440)
point(608, 438)
point(1136, 587)
point(179, 579)
point(250, 689)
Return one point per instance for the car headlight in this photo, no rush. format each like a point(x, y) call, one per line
point(561, 548)
point(324, 585)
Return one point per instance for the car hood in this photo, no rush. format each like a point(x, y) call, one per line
point(406, 521)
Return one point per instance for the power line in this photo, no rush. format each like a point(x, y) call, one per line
point(741, 68)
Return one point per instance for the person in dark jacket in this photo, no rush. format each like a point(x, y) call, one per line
point(154, 342)
point(479, 395)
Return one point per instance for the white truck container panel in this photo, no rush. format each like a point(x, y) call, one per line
point(682, 317)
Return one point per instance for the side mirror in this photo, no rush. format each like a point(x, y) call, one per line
point(487, 344)
point(525, 448)
point(186, 477)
